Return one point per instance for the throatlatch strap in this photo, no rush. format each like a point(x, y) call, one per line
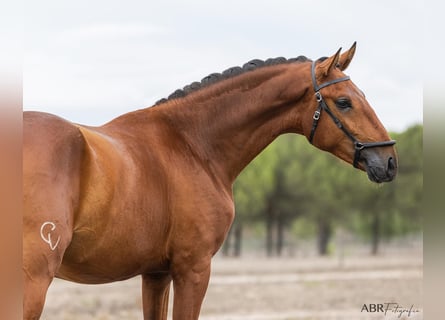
point(315, 118)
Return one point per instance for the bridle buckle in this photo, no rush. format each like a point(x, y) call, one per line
point(359, 146)
point(316, 115)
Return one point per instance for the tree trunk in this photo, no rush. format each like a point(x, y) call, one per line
point(324, 235)
point(280, 235)
point(238, 240)
point(375, 229)
point(226, 245)
point(269, 230)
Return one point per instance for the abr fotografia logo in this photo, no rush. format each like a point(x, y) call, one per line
point(389, 308)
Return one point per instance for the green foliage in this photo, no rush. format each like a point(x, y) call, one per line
point(254, 184)
point(304, 228)
point(299, 181)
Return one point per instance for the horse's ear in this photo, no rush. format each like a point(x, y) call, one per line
point(346, 57)
point(325, 67)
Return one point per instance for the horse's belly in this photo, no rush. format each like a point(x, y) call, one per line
point(108, 260)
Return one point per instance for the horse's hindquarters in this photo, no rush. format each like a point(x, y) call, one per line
point(52, 153)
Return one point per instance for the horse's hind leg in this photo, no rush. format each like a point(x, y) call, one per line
point(47, 232)
point(39, 269)
point(52, 162)
point(35, 287)
point(44, 244)
point(155, 292)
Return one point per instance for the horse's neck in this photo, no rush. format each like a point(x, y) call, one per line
point(230, 123)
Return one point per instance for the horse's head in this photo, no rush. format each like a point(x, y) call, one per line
point(343, 123)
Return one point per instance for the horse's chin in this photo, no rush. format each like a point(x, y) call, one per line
point(379, 174)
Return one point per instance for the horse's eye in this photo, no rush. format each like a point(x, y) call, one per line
point(343, 103)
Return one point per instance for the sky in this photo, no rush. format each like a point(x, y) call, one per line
point(90, 61)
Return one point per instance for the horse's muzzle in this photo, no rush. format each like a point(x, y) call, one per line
point(380, 169)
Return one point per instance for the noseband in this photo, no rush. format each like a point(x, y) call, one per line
point(358, 146)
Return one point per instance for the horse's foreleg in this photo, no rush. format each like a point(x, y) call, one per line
point(190, 285)
point(155, 292)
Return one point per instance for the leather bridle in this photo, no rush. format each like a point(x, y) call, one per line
point(358, 145)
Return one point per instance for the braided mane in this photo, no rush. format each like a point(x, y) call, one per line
point(229, 73)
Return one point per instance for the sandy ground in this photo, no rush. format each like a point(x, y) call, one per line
point(268, 289)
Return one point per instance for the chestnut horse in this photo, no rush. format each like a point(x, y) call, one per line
point(150, 193)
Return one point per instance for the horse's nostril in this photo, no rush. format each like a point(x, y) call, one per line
point(391, 164)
